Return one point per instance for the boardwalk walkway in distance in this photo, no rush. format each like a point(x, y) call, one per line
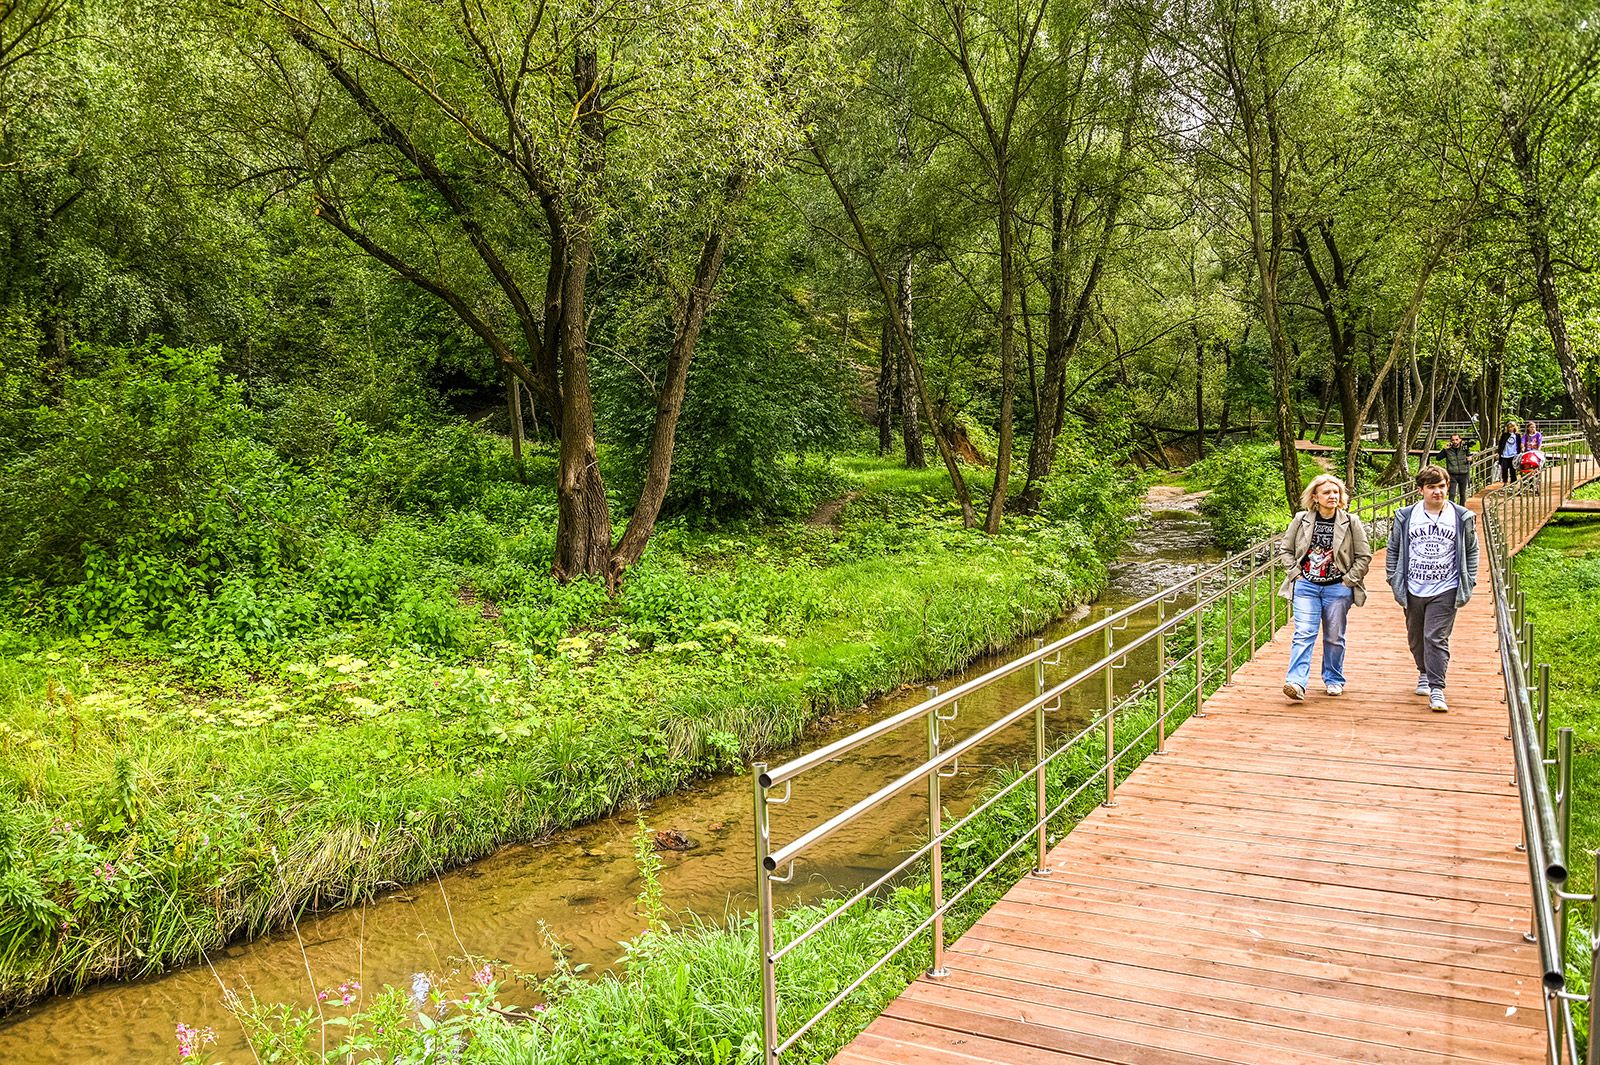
point(1291, 884)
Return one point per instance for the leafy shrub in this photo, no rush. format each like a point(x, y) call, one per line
point(356, 579)
point(312, 427)
point(432, 468)
point(1244, 503)
point(431, 621)
point(467, 537)
point(1097, 493)
point(126, 463)
point(541, 622)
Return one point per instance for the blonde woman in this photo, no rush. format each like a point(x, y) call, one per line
point(1326, 553)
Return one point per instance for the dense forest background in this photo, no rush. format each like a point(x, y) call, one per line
point(681, 250)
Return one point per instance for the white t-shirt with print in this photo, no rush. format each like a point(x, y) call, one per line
point(1431, 552)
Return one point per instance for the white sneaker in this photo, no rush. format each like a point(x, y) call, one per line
point(1423, 687)
point(1436, 701)
point(1293, 690)
point(1336, 689)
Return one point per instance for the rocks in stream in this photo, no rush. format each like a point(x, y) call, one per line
point(670, 839)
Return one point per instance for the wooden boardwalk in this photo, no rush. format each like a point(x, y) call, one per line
point(1291, 884)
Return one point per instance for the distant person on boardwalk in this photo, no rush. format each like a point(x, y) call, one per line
point(1432, 568)
point(1508, 450)
point(1325, 551)
point(1457, 461)
point(1532, 449)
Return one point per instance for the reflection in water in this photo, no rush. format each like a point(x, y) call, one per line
point(581, 884)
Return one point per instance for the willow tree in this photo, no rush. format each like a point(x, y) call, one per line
point(1255, 69)
point(1537, 72)
point(489, 153)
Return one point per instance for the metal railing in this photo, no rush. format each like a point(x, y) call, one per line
point(1511, 517)
point(1550, 427)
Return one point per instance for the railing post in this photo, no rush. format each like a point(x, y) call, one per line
point(1227, 627)
point(936, 850)
point(1543, 704)
point(1161, 676)
point(1110, 639)
point(1272, 605)
point(1254, 576)
point(1593, 1055)
point(1039, 868)
point(1563, 823)
point(1199, 648)
point(764, 918)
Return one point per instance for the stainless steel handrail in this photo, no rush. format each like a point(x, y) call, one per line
point(1220, 589)
point(1510, 517)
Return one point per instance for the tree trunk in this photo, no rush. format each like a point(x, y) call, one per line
point(958, 483)
point(514, 412)
point(1008, 342)
point(887, 392)
point(1225, 419)
point(1052, 391)
point(691, 318)
point(1380, 378)
point(1199, 399)
point(910, 423)
point(1268, 210)
point(1065, 332)
point(583, 516)
point(1322, 417)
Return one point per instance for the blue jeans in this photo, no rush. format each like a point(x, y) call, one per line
point(1326, 605)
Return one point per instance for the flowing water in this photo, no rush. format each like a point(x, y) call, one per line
point(580, 886)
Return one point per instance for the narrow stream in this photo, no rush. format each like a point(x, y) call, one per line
point(581, 885)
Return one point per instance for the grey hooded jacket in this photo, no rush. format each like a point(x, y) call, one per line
point(1396, 565)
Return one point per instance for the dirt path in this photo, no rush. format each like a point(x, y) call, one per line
point(828, 513)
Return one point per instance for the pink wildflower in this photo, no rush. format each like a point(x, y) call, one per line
point(191, 1041)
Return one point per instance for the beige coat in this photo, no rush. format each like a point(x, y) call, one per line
point(1351, 553)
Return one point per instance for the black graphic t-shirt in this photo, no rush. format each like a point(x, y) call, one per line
point(1317, 565)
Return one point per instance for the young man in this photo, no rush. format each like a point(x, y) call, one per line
point(1432, 567)
point(1457, 461)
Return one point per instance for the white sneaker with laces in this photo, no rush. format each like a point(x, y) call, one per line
point(1293, 691)
point(1436, 701)
point(1336, 689)
point(1423, 687)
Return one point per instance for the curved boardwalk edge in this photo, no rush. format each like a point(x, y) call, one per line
point(1327, 881)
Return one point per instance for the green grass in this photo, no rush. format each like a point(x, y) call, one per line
point(161, 795)
point(1560, 577)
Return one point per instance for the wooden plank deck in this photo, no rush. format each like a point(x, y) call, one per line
point(1291, 884)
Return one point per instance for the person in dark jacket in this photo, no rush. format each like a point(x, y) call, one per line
point(1508, 450)
point(1432, 567)
point(1456, 459)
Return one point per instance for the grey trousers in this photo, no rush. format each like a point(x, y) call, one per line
point(1428, 625)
